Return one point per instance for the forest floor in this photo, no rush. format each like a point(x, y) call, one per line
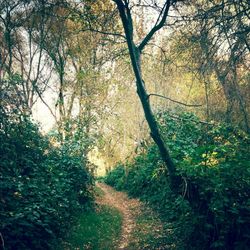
point(129, 209)
point(117, 223)
point(141, 226)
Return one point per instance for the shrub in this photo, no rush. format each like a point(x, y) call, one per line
point(41, 186)
point(116, 178)
point(214, 162)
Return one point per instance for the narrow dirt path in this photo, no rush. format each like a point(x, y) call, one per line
point(129, 208)
point(142, 228)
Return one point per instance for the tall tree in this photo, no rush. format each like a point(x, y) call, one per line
point(135, 52)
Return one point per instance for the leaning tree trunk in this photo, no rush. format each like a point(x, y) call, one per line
point(135, 56)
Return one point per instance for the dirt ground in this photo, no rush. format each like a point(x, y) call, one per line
point(129, 208)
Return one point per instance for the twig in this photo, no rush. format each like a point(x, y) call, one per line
point(104, 32)
point(181, 103)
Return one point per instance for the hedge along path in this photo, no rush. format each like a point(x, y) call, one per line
point(131, 209)
point(128, 207)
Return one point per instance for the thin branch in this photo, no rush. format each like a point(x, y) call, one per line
point(104, 32)
point(156, 27)
point(181, 103)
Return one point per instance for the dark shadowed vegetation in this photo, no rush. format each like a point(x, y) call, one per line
point(213, 160)
point(43, 185)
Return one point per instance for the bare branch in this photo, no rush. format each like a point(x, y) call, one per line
point(181, 103)
point(157, 26)
point(103, 32)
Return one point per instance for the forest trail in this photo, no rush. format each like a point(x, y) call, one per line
point(129, 208)
point(141, 227)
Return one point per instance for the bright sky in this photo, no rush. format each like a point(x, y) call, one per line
point(41, 113)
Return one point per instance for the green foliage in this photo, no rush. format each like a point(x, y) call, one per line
point(98, 230)
point(220, 171)
point(183, 134)
point(42, 187)
point(116, 178)
point(214, 163)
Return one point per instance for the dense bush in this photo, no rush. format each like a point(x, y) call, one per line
point(213, 209)
point(41, 186)
point(116, 178)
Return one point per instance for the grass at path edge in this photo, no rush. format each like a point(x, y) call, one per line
point(96, 230)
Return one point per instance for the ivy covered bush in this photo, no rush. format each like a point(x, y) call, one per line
point(213, 208)
point(116, 178)
point(42, 186)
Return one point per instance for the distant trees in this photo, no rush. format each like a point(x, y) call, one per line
point(218, 42)
point(22, 64)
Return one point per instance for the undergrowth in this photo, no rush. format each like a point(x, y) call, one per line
point(43, 184)
point(213, 210)
point(98, 229)
point(148, 233)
